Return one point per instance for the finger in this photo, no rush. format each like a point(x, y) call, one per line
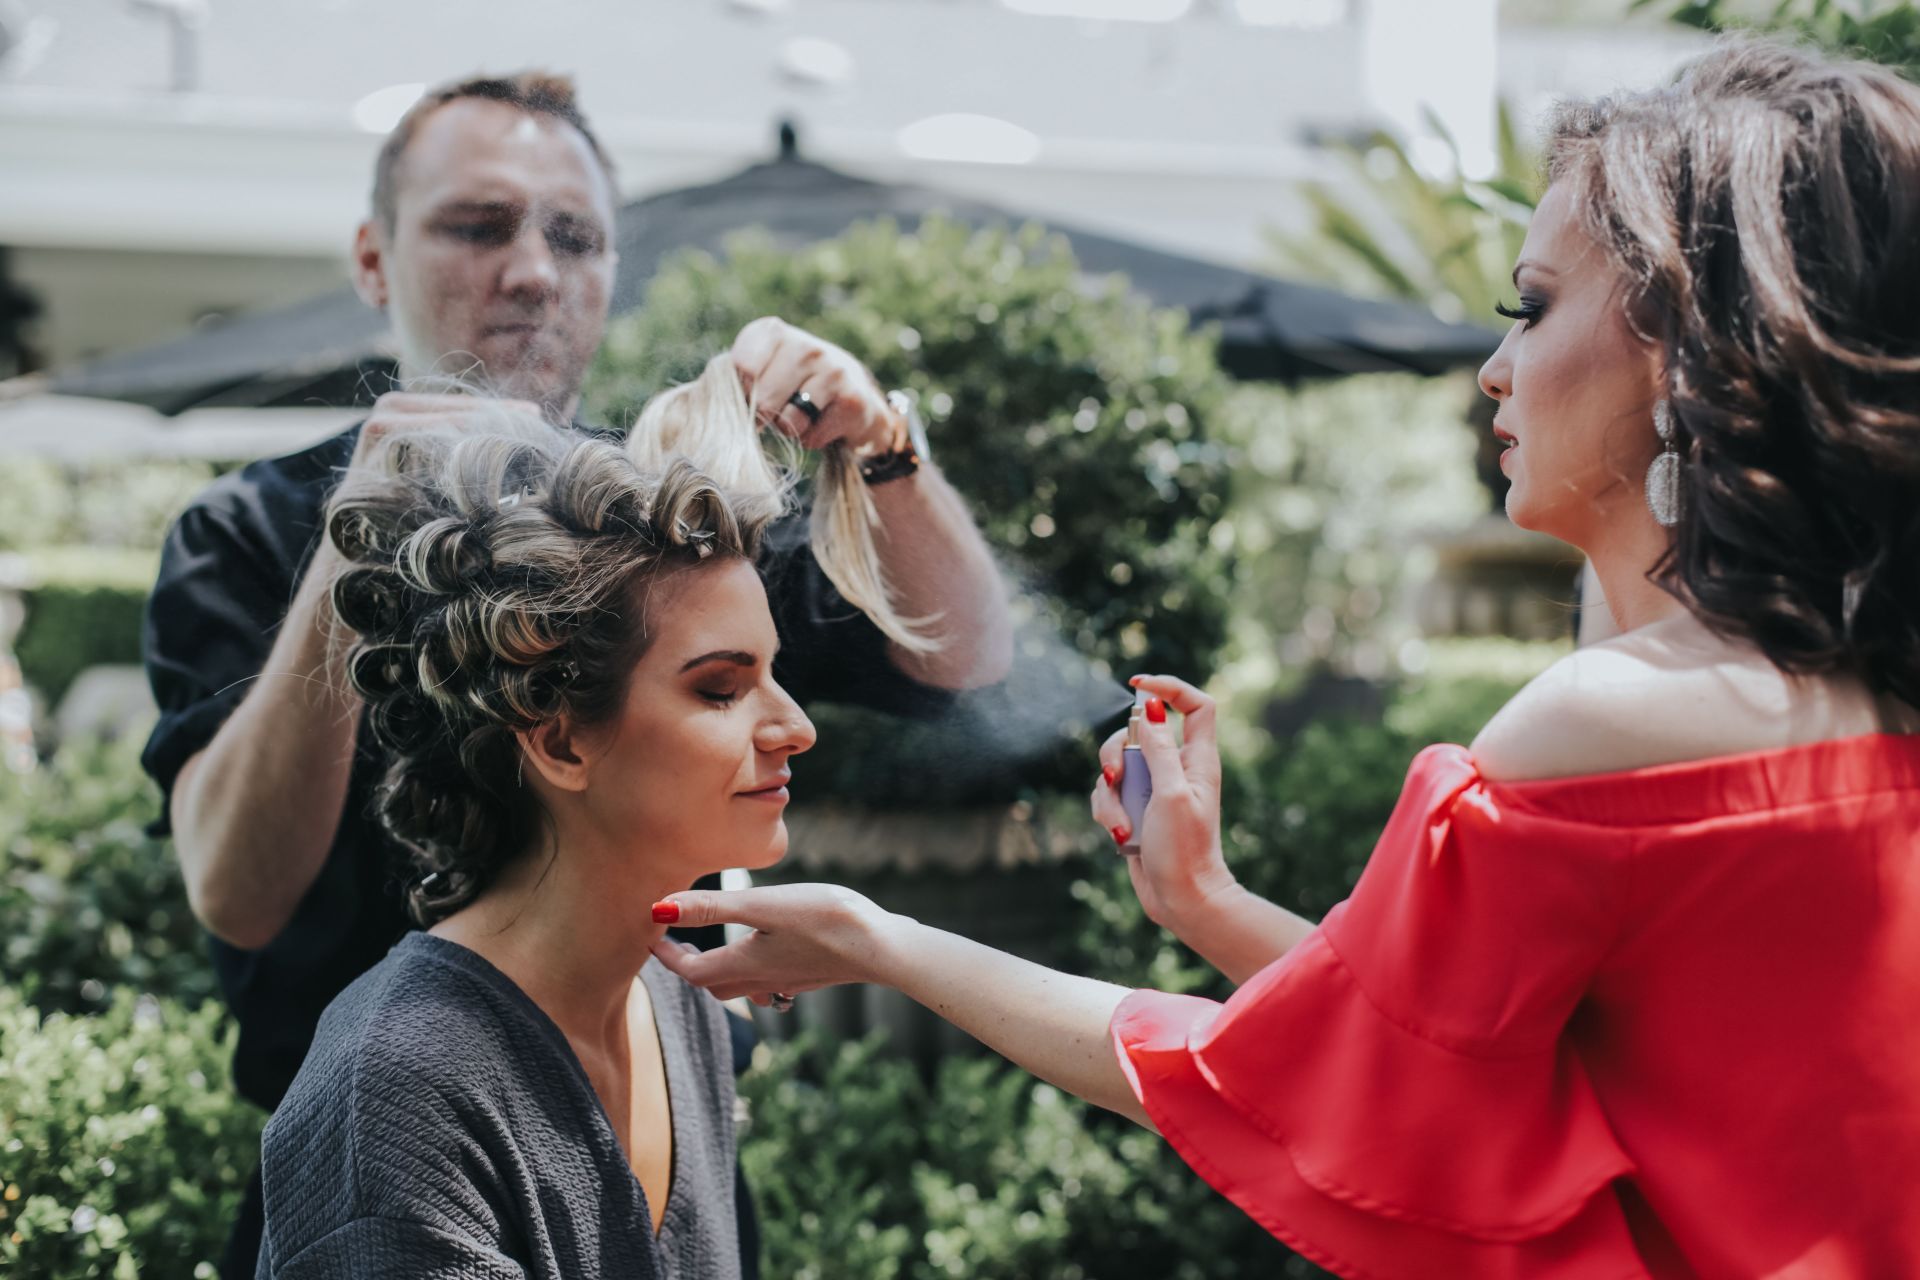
point(1160, 746)
point(754, 348)
point(1113, 758)
point(697, 908)
point(676, 958)
point(416, 402)
point(1110, 813)
point(852, 406)
point(721, 969)
point(773, 394)
point(1199, 714)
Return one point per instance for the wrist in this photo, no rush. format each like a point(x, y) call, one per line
point(1200, 901)
point(889, 947)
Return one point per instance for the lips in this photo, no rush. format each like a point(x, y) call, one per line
point(1505, 437)
point(774, 790)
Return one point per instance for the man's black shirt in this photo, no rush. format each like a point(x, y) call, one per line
point(228, 574)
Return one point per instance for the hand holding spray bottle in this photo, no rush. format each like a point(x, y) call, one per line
point(1136, 780)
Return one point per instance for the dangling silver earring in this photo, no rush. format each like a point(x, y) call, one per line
point(1663, 477)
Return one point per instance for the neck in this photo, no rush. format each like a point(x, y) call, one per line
point(1622, 558)
point(571, 924)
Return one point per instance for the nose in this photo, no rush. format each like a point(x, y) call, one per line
point(786, 728)
point(1496, 375)
point(529, 272)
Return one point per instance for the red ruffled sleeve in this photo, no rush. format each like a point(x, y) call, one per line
point(1395, 1097)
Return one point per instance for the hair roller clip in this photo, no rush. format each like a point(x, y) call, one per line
point(428, 883)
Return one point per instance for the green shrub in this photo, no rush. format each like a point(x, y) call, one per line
point(88, 901)
point(862, 1172)
point(830, 1137)
point(123, 1152)
point(1337, 485)
point(85, 611)
point(95, 504)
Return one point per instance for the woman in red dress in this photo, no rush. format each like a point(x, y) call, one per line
point(1631, 986)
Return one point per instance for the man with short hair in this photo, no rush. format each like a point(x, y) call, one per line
point(490, 248)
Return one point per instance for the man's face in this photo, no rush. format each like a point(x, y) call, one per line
point(499, 265)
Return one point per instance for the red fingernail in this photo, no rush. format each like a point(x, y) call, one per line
point(1156, 711)
point(666, 913)
point(1135, 680)
point(1106, 771)
point(1120, 834)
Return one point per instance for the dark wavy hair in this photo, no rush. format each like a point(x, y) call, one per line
point(1764, 210)
point(494, 583)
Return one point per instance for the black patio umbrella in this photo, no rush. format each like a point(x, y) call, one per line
point(330, 348)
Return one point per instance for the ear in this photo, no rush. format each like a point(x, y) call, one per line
point(558, 753)
point(369, 264)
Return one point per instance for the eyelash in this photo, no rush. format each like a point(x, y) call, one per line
point(718, 699)
point(1527, 311)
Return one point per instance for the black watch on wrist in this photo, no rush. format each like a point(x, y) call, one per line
point(882, 467)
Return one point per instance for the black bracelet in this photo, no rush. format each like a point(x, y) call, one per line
point(890, 466)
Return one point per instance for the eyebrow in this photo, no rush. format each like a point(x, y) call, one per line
point(738, 657)
point(495, 207)
point(1530, 265)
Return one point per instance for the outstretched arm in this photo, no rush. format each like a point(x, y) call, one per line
point(810, 936)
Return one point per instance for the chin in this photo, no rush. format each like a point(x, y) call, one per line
point(1526, 514)
point(770, 853)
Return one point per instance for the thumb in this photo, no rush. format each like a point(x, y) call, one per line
point(1160, 745)
point(696, 908)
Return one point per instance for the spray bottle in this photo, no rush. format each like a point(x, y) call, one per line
point(1136, 782)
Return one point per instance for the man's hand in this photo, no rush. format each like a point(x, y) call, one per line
point(399, 412)
point(776, 360)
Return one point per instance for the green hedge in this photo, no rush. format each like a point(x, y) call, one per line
point(862, 1172)
point(125, 1152)
point(95, 504)
point(84, 611)
point(88, 901)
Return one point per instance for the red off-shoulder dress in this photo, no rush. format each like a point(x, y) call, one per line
point(1656, 1023)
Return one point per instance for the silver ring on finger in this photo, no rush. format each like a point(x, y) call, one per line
point(780, 1002)
point(804, 403)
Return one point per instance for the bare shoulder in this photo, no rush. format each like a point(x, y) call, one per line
point(1663, 694)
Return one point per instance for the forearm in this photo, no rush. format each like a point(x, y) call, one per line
point(1052, 1024)
point(1238, 932)
point(256, 811)
point(938, 565)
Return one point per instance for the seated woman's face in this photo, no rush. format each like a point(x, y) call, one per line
point(694, 765)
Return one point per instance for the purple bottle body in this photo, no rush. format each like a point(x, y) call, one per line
point(1136, 788)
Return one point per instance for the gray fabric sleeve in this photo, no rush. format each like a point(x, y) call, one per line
point(389, 1249)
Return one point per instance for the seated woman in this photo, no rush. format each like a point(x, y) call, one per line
point(1631, 986)
point(570, 656)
